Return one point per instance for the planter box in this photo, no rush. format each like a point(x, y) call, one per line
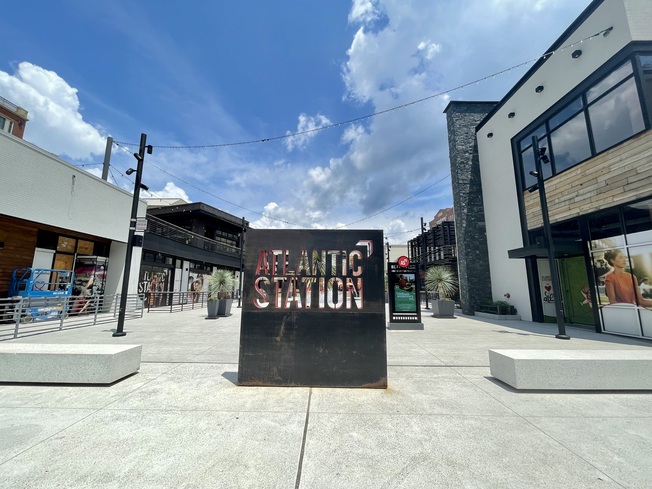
point(443, 309)
point(213, 308)
point(224, 307)
point(488, 315)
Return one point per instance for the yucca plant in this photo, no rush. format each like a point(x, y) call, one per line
point(220, 284)
point(442, 280)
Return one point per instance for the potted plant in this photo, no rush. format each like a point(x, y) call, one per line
point(220, 288)
point(442, 282)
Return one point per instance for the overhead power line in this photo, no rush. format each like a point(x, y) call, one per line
point(262, 214)
point(545, 56)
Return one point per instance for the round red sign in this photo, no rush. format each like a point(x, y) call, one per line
point(403, 261)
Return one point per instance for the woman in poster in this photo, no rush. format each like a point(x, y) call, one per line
point(621, 286)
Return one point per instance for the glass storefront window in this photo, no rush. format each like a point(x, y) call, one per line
point(638, 222)
point(570, 143)
point(602, 116)
point(614, 77)
point(606, 225)
point(617, 116)
point(645, 71)
point(540, 133)
point(527, 158)
point(566, 113)
point(622, 268)
point(641, 257)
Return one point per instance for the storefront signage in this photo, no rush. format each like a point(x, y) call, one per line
point(313, 311)
point(403, 261)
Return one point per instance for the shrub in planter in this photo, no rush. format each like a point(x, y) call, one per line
point(220, 289)
point(502, 307)
point(442, 282)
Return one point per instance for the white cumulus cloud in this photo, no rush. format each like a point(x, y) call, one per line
point(55, 121)
point(309, 126)
point(170, 191)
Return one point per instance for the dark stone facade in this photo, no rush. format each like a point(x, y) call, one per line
point(472, 255)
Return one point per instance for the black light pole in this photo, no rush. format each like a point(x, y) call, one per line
point(140, 156)
point(242, 240)
point(539, 155)
point(424, 253)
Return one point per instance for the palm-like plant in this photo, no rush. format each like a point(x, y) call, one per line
point(442, 280)
point(220, 284)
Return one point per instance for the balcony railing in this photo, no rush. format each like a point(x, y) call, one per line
point(175, 233)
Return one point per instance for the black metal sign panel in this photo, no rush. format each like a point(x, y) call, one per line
point(404, 293)
point(313, 311)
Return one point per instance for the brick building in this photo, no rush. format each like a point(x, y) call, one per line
point(13, 119)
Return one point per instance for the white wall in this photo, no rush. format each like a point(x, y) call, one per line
point(639, 15)
point(116, 268)
point(37, 186)
point(559, 74)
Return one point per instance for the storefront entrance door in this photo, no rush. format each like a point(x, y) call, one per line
point(575, 290)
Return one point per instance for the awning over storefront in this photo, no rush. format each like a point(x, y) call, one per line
point(539, 250)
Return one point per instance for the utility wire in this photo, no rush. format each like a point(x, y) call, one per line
point(274, 218)
point(398, 203)
point(402, 232)
point(545, 56)
point(88, 164)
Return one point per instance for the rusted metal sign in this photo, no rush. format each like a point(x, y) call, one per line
point(313, 311)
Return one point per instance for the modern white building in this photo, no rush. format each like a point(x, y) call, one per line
point(582, 117)
point(55, 215)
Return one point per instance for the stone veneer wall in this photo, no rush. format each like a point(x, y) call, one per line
point(472, 255)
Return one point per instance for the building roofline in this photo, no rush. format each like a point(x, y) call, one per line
point(557, 44)
point(468, 102)
point(197, 207)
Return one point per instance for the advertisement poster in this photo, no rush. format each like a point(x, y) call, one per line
point(197, 283)
point(622, 274)
point(405, 293)
point(545, 284)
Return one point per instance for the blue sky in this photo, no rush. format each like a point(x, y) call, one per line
point(212, 73)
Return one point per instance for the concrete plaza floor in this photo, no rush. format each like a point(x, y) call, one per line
point(444, 422)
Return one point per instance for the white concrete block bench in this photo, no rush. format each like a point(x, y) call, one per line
point(67, 364)
point(573, 369)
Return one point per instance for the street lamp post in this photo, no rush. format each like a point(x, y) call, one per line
point(539, 155)
point(242, 240)
point(140, 156)
point(424, 254)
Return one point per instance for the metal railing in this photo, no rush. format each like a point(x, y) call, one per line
point(175, 233)
point(27, 316)
point(9, 105)
point(175, 301)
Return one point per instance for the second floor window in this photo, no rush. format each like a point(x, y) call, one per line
point(605, 114)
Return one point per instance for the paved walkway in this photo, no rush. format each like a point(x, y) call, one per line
point(181, 422)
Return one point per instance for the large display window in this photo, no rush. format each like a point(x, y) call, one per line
point(622, 268)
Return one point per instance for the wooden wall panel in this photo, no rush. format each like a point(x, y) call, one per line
point(19, 239)
point(614, 177)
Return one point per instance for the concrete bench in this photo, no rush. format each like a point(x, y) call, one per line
point(67, 364)
point(573, 369)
